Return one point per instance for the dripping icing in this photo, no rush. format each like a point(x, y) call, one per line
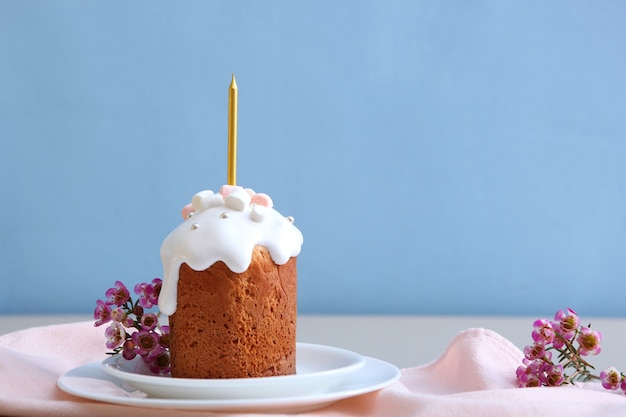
point(225, 226)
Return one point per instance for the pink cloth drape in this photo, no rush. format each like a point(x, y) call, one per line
point(475, 377)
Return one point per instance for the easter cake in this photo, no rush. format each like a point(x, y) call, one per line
point(229, 287)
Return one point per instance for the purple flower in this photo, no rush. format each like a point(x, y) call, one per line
point(589, 341)
point(529, 381)
point(119, 315)
point(118, 295)
point(543, 332)
point(528, 374)
point(149, 321)
point(572, 342)
point(102, 313)
point(566, 322)
point(138, 310)
point(149, 293)
point(536, 351)
point(539, 372)
point(558, 343)
point(125, 316)
point(164, 340)
point(157, 283)
point(158, 360)
point(145, 341)
point(552, 375)
point(611, 378)
point(520, 373)
point(115, 335)
point(129, 351)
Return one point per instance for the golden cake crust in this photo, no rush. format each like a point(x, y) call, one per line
point(235, 325)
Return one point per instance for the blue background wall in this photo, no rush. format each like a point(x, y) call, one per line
point(440, 157)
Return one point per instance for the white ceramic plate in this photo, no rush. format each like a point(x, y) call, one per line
point(317, 368)
point(91, 382)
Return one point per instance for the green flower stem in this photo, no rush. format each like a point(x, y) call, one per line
point(574, 360)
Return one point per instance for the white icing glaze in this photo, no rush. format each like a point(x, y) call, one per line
point(228, 228)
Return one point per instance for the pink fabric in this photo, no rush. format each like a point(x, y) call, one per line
point(475, 376)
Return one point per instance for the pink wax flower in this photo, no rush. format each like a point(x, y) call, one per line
point(149, 293)
point(543, 332)
point(572, 342)
point(128, 351)
point(145, 341)
point(157, 284)
point(149, 321)
point(135, 330)
point(115, 335)
point(536, 351)
point(566, 322)
point(589, 341)
point(158, 360)
point(138, 310)
point(164, 340)
point(119, 315)
point(528, 374)
point(528, 380)
point(117, 295)
point(552, 375)
point(102, 313)
point(611, 378)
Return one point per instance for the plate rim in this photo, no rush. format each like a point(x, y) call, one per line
point(300, 403)
point(358, 361)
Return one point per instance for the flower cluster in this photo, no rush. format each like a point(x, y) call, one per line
point(134, 330)
point(572, 342)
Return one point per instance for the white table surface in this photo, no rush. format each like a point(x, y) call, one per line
point(405, 341)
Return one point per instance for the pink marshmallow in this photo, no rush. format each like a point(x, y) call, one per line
point(187, 210)
point(262, 200)
point(227, 189)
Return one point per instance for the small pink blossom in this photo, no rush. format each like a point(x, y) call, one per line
point(611, 378)
point(164, 340)
point(118, 295)
point(528, 374)
point(138, 310)
point(589, 341)
point(566, 322)
point(144, 337)
point(571, 341)
point(529, 381)
point(552, 375)
point(158, 360)
point(543, 332)
point(102, 313)
point(128, 351)
point(149, 293)
point(115, 335)
point(157, 284)
point(145, 342)
point(558, 342)
point(119, 315)
point(149, 321)
point(536, 351)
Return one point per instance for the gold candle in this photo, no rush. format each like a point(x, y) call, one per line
point(232, 132)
